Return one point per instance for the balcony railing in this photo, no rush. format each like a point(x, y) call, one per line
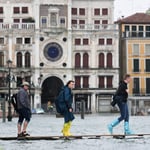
point(136, 34)
point(94, 27)
point(23, 26)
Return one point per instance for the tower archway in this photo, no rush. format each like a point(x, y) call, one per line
point(50, 89)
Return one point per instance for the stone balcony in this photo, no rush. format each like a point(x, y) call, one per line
point(17, 26)
point(94, 27)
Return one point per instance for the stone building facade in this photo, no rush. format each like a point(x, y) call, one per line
point(50, 42)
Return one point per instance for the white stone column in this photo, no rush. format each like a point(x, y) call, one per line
point(81, 54)
point(105, 60)
point(93, 100)
point(10, 47)
point(23, 59)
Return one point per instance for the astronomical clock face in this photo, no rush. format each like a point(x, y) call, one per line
point(53, 51)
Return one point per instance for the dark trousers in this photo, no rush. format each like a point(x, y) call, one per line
point(68, 116)
point(24, 113)
point(124, 112)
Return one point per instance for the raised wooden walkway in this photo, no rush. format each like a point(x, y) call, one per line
point(117, 136)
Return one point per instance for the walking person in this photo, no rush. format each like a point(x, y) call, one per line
point(24, 110)
point(65, 100)
point(122, 92)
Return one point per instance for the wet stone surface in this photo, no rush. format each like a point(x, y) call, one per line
point(46, 125)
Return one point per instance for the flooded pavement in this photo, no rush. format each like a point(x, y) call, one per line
point(46, 125)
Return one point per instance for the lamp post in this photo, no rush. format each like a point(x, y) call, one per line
point(9, 117)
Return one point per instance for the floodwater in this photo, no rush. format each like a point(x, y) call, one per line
point(49, 125)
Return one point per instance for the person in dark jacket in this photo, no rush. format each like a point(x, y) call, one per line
point(24, 110)
point(122, 92)
point(67, 108)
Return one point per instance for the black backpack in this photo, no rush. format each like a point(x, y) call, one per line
point(14, 102)
point(58, 101)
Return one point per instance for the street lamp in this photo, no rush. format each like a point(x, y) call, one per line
point(9, 117)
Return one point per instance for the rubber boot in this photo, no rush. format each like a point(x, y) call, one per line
point(69, 126)
point(127, 130)
point(65, 129)
point(113, 124)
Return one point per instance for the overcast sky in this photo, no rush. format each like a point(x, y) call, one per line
point(128, 7)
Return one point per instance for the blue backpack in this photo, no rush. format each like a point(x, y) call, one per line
point(59, 102)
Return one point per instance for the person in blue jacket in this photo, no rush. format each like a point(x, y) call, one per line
point(66, 106)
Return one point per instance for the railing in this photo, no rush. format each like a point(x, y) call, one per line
point(24, 26)
point(94, 27)
point(140, 92)
point(136, 34)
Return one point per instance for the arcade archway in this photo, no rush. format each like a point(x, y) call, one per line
point(50, 89)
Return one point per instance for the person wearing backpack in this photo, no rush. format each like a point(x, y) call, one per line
point(122, 92)
point(64, 106)
point(24, 110)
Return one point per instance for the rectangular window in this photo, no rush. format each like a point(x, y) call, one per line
point(24, 10)
point(109, 41)
point(16, 20)
point(43, 21)
point(1, 20)
point(134, 31)
point(109, 81)
point(96, 21)
point(74, 21)
point(19, 81)
point(85, 81)
point(16, 10)
point(101, 82)
point(85, 41)
point(81, 21)
point(27, 40)
point(19, 41)
point(140, 31)
point(96, 24)
point(1, 60)
point(101, 41)
point(135, 65)
point(74, 11)
point(82, 11)
point(147, 31)
point(77, 82)
point(1, 10)
point(104, 11)
point(77, 41)
point(104, 21)
point(136, 87)
point(96, 11)
point(62, 22)
point(127, 28)
point(148, 86)
point(134, 28)
point(135, 49)
point(147, 49)
point(82, 24)
point(2, 79)
point(147, 28)
point(147, 65)
point(1, 40)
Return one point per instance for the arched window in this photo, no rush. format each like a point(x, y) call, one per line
point(85, 60)
point(109, 60)
point(101, 60)
point(1, 59)
point(77, 60)
point(19, 59)
point(27, 59)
